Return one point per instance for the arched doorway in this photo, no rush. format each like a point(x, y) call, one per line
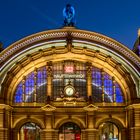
point(69, 131)
point(108, 131)
point(29, 131)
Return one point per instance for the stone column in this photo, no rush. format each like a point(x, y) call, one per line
point(55, 135)
point(15, 134)
point(89, 79)
point(134, 122)
point(92, 134)
point(5, 122)
point(123, 134)
point(49, 80)
point(49, 134)
point(83, 135)
point(35, 85)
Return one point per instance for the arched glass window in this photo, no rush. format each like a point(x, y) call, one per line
point(105, 88)
point(33, 87)
point(108, 131)
point(66, 71)
point(69, 131)
point(29, 131)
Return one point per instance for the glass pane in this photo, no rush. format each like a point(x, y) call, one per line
point(29, 87)
point(108, 131)
point(119, 94)
point(96, 85)
point(69, 131)
point(18, 94)
point(41, 84)
point(29, 131)
point(69, 71)
point(103, 82)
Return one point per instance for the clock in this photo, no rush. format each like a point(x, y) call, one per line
point(69, 91)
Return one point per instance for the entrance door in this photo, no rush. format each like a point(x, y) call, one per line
point(69, 131)
point(108, 131)
point(29, 131)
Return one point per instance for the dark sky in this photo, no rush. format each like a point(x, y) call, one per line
point(118, 19)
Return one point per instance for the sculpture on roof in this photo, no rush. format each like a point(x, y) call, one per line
point(69, 13)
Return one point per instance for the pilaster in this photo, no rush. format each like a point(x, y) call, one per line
point(5, 121)
point(89, 79)
point(48, 134)
point(134, 122)
point(49, 79)
point(92, 134)
point(83, 135)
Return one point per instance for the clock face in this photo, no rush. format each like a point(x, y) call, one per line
point(69, 91)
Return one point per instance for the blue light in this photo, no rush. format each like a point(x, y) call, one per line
point(69, 13)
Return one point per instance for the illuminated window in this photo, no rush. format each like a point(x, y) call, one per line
point(104, 88)
point(96, 85)
point(66, 71)
point(19, 92)
point(29, 87)
point(41, 84)
point(119, 97)
point(108, 88)
point(33, 87)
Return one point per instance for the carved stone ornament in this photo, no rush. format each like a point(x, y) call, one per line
point(48, 107)
point(90, 107)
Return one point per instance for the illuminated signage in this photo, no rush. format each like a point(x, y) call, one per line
point(59, 76)
point(69, 69)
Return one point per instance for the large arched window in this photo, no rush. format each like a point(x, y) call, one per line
point(33, 87)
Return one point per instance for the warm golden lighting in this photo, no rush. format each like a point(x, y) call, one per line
point(69, 83)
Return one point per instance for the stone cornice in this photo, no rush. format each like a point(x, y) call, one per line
point(133, 106)
point(6, 107)
point(62, 34)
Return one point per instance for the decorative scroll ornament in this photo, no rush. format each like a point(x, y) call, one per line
point(90, 107)
point(48, 107)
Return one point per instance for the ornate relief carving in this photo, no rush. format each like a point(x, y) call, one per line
point(48, 107)
point(90, 107)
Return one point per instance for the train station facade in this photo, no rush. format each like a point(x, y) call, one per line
point(69, 84)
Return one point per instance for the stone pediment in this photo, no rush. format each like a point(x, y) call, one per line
point(48, 107)
point(90, 107)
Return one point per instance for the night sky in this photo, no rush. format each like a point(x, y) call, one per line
point(118, 19)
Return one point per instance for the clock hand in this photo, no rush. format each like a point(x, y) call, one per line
point(69, 92)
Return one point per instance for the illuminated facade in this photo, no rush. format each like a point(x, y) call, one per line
point(69, 84)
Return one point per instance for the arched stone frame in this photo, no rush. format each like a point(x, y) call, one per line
point(21, 121)
point(116, 121)
point(75, 120)
point(40, 42)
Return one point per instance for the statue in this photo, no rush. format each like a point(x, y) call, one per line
point(69, 13)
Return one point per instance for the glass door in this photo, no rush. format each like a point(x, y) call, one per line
point(69, 131)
